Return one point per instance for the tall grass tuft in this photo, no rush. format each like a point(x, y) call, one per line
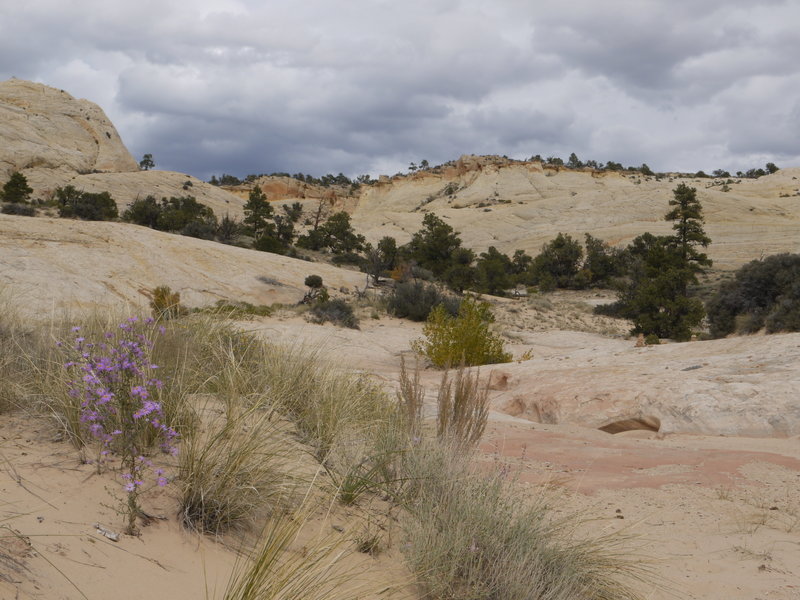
point(275, 570)
point(14, 339)
point(411, 398)
point(473, 535)
point(463, 407)
point(329, 407)
point(233, 468)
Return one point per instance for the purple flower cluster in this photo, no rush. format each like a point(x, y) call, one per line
point(119, 397)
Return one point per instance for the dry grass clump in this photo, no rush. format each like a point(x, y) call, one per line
point(14, 339)
point(232, 468)
point(463, 408)
point(474, 535)
point(329, 407)
point(411, 398)
point(275, 570)
point(462, 405)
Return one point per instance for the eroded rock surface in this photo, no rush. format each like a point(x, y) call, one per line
point(64, 264)
point(44, 128)
point(737, 386)
point(55, 140)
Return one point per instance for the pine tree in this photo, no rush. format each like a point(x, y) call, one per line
point(687, 215)
point(257, 211)
point(656, 298)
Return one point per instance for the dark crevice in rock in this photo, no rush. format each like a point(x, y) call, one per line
point(634, 423)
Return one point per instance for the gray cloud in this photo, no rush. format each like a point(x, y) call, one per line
point(243, 86)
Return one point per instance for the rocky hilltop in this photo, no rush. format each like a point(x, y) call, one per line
point(509, 204)
point(55, 139)
point(46, 129)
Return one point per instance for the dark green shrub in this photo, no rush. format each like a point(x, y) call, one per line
point(651, 339)
point(348, 258)
point(493, 272)
point(335, 311)
point(16, 189)
point(143, 211)
point(415, 300)
point(434, 246)
point(228, 230)
point(335, 235)
point(178, 212)
point(559, 262)
point(602, 263)
point(19, 209)
point(764, 293)
point(786, 312)
point(269, 243)
point(184, 214)
point(73, 203)
point(313, 281)
point(203, 230)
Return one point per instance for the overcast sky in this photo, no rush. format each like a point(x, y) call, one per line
point(366, 86)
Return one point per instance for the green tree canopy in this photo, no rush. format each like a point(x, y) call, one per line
point(147, 162)
point(602, 263)
point(461, 275)
point(656, 294)
point(558, 262)
point(336, 234)
point(573, 162)
point(73, 203)
point(16, 189)
point(493, 272)
point(257, 214)
point(654, 297)
point(433, 247)
point(687, 217)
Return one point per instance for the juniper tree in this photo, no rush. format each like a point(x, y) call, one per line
point(16, 189)
point(433, 247)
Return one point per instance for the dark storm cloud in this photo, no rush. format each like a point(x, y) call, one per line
point(243, 86)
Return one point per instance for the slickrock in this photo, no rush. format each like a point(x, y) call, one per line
point(59, 263)
point(43, 128)
point(55, 140)
point(743, 386)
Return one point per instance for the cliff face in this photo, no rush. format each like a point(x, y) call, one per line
point(43, 128)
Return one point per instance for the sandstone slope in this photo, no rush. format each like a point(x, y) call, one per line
point(512, 204)
point(43, 128)
point(55, 139)
point(737, 386)
point(58, 263)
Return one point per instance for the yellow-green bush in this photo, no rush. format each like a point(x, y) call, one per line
point(166, 304)
point(463, 339)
